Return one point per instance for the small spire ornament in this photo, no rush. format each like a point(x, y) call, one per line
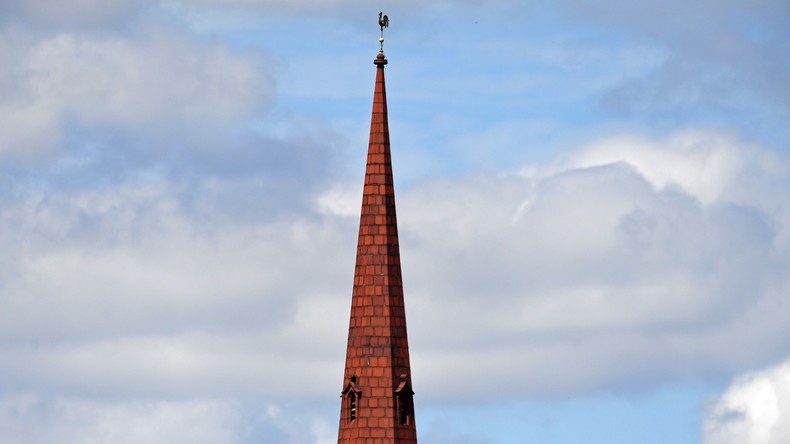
point(384, 22)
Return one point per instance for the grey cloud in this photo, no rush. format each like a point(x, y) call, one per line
point(112, 259)
point(624, 252)
point(571, 270)
point(96, 110)
point(726, 65)
point(675, 18)
point(137, 198)
point(441, 433)
point(30, 419)
point(87, 14)
point(162, 80)
point(127, 290)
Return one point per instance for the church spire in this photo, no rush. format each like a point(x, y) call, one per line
point(377, 393)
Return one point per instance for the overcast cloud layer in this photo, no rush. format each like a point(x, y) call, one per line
point(179, 213)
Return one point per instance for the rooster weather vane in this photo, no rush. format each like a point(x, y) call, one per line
point(384, 22)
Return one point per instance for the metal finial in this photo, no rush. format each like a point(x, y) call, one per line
point(384, 22)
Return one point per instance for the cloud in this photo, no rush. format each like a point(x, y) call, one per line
point(701, 165)
point(724, 66)
point(127, 284)
point(755, 409)
point(667, 256)
point(643, 252)
point(157, 81)
point(31, 419)
point(675, 16)
point(167, 245)
point(323, 4)
point(70, 13)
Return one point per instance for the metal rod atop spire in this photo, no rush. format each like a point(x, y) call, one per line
point(384, 22)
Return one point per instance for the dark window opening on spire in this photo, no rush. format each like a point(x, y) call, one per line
point(405, 408)
point(351, 394)
point(352, 406)
point(405, 399)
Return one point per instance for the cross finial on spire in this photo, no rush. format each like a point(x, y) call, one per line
point(384, 22)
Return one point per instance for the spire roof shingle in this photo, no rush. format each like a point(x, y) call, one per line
point(377, 405)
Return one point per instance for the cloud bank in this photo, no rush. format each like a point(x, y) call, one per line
point(661, 255)
point(630, 262)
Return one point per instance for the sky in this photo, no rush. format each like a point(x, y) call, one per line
point(593, 203)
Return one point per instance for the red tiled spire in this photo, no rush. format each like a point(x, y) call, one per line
point(377, 405)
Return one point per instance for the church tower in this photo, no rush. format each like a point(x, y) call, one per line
point(377, 398)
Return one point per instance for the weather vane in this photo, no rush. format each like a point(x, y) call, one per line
point(384, 22)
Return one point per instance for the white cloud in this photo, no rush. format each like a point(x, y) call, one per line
point(124, 290)
point(701, 164)
point(341, 200)
point(155, 81)
point(644, 252)
point(31, 419)
point(661, 258)
point(755, 409)
point(27, 419)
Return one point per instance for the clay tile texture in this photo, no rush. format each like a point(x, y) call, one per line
point(377, 400)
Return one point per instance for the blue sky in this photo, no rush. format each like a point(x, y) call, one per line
point(592, 198)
